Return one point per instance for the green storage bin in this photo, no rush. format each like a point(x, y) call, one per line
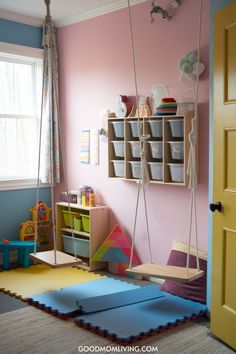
point(77, 223)
point(85, 222)
point(81, 246)
point(69, 220)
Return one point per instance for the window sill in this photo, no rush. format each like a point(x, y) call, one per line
point(21, 184)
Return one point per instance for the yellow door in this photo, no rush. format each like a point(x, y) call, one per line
point(223, 311)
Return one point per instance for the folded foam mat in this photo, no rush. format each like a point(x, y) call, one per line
point(124, 298)
point(130, 323)
point(24, 282)
point(66, 301)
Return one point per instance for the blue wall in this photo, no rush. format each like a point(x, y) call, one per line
point(215, 6)
point(14, 209)
point(18, 33)
point(15, 204)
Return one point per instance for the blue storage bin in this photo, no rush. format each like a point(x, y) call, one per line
point(81, 246)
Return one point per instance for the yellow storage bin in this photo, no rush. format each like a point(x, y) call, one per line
point(86, 222)
point(69, 219)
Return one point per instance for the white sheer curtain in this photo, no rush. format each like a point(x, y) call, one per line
point(19, 116)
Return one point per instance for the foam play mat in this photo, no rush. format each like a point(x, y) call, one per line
point(71, 299)
point(25, 282)
point(119, 310)
point(136, 321)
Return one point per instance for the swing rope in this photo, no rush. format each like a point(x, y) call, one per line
point(192, 155)
point(191, 170)
point(51, 162)
point(143, 175)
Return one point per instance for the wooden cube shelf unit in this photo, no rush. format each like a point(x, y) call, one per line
point(86, 240)
point(167, 148)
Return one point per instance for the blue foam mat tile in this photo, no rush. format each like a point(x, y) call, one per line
point(65, 301)
point(139, 320)
point(124, 298)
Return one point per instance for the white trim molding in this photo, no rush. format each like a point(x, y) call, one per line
point(21, 50)
point(8, 185)
point(118, 5)
point(26, 20)
point(62, 22)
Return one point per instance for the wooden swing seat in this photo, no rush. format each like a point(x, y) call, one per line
point(48, 257)
point(180, 274)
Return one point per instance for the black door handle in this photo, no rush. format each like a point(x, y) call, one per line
point(216, 206)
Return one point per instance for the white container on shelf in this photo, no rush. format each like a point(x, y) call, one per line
point(134, 128)
point(135, 148)
point(176, 172)
point(156, 128)
point(118, 129)
point(183, 107)
point(156, 149)
point(177, 149)
point(135, 168)
point(119, 168)
point(118, 148)
point(156, 169)
point(177, 128)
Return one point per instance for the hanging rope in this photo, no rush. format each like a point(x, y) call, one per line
point(191, 161)
point(49, 42)
point(192, 156)
point(144, 175)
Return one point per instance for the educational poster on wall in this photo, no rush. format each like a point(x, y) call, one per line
point(94, 147)
point(85, 146)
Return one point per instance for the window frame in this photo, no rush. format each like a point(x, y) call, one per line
point(24, 54)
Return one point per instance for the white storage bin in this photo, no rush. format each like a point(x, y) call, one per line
point(156, 170)
point(177, 149)
point(119, 168)
point(118, 148)
point(156, 149)
point(177, 128)
point(184, 107)
point(156, 128)
point(134, 128)
point(135, 168)
point(118, 129)
point(77, 245)
point(176, 172)
point(135, 148)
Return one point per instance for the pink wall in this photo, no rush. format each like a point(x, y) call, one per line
point(95, 66)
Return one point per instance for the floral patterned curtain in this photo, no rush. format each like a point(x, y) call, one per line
point(49, 127)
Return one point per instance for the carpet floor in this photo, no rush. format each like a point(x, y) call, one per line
point(31, 331)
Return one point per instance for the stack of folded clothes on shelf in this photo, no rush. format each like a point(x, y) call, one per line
point(167, 107)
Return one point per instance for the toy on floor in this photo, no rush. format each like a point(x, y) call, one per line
point(27, 231)
point(42, 214)
point(116, 251)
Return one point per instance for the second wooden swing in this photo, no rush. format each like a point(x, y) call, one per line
point(180, 274)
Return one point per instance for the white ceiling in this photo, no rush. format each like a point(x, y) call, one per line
point(63, 12)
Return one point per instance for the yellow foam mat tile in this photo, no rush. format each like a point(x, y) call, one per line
point(25, 282)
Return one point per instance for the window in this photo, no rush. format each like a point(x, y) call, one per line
point(20, 95)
